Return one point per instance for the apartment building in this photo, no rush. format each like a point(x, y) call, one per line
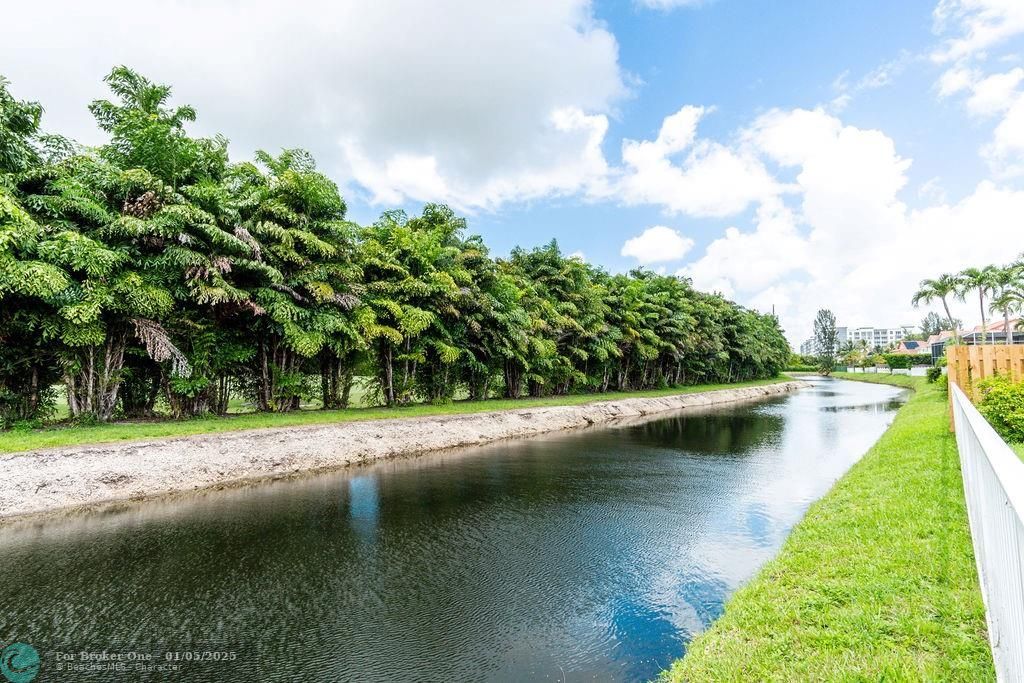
point(880, 337)
point(809, 347)
point(873, 337)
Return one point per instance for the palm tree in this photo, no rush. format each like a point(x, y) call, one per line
point(984, 281)
point(940, 288)
point(1007, 295)
point(1006, 301)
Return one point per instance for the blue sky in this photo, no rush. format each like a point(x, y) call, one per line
point(794, 154)
point(743, 58)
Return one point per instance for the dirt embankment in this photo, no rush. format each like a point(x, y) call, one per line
point(54, 479)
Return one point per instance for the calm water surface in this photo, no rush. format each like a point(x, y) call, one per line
point(594, 555)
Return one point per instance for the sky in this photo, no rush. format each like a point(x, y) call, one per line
point(792, 155)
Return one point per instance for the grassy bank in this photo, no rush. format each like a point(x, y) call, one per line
point(14, 441)
point(877, 582)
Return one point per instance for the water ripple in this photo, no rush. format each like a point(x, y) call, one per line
point(595, 555)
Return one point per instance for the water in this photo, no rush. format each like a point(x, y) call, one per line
point(593, 555)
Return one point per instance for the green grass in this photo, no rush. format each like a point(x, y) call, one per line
point(878, 581)
point(24, 440)
point(360, 396)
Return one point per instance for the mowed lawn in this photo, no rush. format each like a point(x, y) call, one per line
point(67, 435)
point(877, 583)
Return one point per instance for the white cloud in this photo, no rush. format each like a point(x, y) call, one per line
point(885, 73)
point(1006, 150)
point(457, 110)
point(879, 77)
point(981, 24)
point(848, 177)
point(999, 95)
point(572, 163)
point(710, 180)
point(851, 245)
point(995, 94)
point(932, 191)
point(840, 103)
point(425, 101)
point(956, 80)
point(773, 251)
point(657, 244)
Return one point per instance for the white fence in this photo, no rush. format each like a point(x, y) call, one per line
point(916, 371)
point(994, 487)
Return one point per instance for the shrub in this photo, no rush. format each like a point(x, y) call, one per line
point(934, 373)
point(904, 361)
point(1002, 404)
point(798, 359)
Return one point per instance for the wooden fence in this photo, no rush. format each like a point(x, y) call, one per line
point(968, 365)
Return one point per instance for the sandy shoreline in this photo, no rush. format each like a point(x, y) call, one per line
point(51, 480)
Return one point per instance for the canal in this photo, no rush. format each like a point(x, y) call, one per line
point(591, 555)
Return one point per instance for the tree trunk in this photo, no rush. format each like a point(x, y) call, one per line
point(388, 372)
point(223, 394)
point(952, 323)
point(33, 396)
point(346, 387)
point(95, 378)
point(183, 406)
point(513, 380)
point(330, 385)
point(279, 365)
point(981, 305)
point(265, 392)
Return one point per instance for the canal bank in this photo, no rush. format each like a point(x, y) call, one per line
point(585, 554)
point(51, 480)
point(878, 582)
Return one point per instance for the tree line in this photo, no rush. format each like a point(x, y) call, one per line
point(152, 270)
point(1002, 287)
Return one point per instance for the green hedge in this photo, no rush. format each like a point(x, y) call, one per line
point(903, 361)
point(1002, 404)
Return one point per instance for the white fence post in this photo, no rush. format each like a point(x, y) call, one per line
point(994, 489)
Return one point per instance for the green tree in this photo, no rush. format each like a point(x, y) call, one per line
point(29, 279)
point(173, 218)
point(150, 270)
point(414, 288)
point(304, 281)
point(931, 323)
point(983, 281)
point(941, 288)
point(569, 308)
point(1008, 294)
point(826, 340)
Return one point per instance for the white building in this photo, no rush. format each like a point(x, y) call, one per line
point(810, 346)
point(873, 337)
point(880, 337)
